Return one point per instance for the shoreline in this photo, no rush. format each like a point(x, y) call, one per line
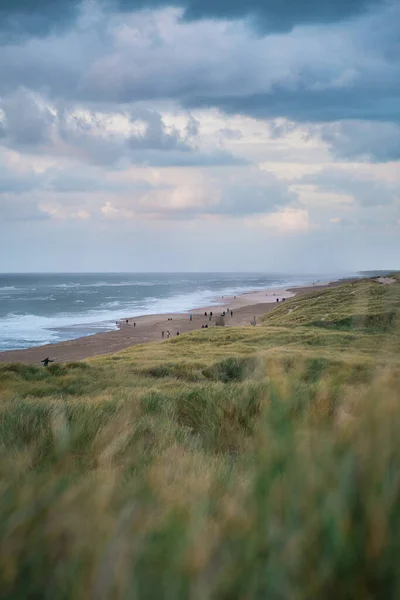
point(148, 328)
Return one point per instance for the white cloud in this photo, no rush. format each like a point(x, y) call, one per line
point(288, 220)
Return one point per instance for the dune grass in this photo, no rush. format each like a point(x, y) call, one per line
point(226, 463)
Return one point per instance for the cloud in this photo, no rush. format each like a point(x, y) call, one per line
point(363, 140)
point(229, 194)
point(287, 220)
point(312, 74)
point(367, 191)
point(133, 136)
point(14, 181)
point(17, 18)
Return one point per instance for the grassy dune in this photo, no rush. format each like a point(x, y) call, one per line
point(240, 463)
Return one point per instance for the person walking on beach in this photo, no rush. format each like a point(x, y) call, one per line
point(162, 335)
point(231, 313)
point(168, 334)
point(46, 361)
point(190, 317)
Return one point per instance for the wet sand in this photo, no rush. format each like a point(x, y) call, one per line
point(149, 328)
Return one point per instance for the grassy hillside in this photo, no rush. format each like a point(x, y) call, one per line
point(365, 305)
point(240, 463)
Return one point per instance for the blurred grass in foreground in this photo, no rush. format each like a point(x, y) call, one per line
point(243, 463)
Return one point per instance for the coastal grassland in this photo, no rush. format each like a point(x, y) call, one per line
point(258, 462)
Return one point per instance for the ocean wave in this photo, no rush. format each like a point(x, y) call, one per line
point(22, 331)
point(113, 304)
point(119, 284)
point(45, 298)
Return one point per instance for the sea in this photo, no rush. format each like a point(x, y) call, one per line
point(37, 309)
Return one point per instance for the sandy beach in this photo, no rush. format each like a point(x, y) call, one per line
point(149, 328)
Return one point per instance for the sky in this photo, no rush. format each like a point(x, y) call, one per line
point(199, 135)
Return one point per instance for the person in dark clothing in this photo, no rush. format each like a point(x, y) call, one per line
point(134, 324)
point(211, 313)
point(205, 314)
point(46, 361)
point(231, 313)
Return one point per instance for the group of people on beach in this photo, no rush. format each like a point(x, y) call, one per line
point(167, 334)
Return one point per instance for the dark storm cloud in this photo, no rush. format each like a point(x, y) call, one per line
point(361, 140)
point(21, 18)
point(319, 75)
point(312, 105)
point(322, 74)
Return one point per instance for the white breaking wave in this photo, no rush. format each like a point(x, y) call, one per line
point(105, 284)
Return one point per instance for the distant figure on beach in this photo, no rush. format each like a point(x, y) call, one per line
point(231, 313)
point(168, 334)
point(205, 314)
point(253, 322)
point(224, 313)
point(127, 320)
point(209, 317)
point(190, 317)
point(162, 335)
point(211, 313)
point(177, 333)
point(134, 324)
point(206, 326)
point(46, 361)
point(277, 299)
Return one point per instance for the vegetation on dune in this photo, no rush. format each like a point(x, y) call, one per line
point(226, 463)
point(365, 305)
